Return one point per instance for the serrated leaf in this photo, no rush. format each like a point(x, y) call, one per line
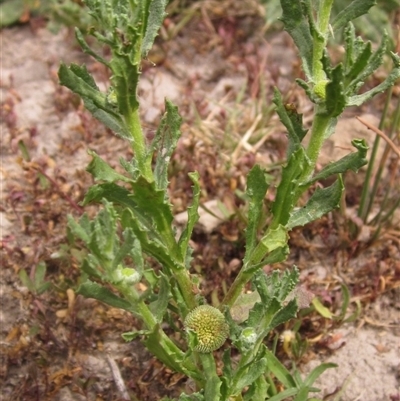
point(335, 101)
point(125, 81)
point(354, 10)
point(294, 18)
point(159, 306)
point(82, 229)
point(154, 21)
point(150, 241)
point(292, 120)
point(286, 192)
point(374, 62)
point(353, 161)
point(255, 190)
point(86, 49)
point(90, 289)
point(390, 80)
point(101, 170)
point(193, 216)
point(359, 64)
point(257, 390)
point(321, 202)
point(285, 314)
point(79, 81)
point(130, 246)
point(151, 205)
point(164, 143)
point(170, 357)
point(255, 370)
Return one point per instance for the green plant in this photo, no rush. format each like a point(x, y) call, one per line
point(135, 222)
point(59, 12)
point(36, 284)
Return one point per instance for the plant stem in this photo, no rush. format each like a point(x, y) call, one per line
point(320, 38)
point(236, 288)
point(318, 130)
point(139, 145)
point(184, 281)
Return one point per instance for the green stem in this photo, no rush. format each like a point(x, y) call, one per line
point(236, 288)
point(150, 322)
point(139, 145)
point(186, 286)
point(321, 38)
point(212, 381)
point(319, 127)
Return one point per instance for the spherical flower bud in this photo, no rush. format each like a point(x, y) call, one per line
point(210, 326)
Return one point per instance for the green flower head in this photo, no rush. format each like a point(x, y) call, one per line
point(210, 326)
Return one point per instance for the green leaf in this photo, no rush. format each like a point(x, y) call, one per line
point(359, 64)
point(286, 192)
point(390, 80)
point(130, 247)
point(152, 206)
point(284, 395)
point(256, 189)
point(294, 18)
point(321, 202)
point(274, 239)
point(354, 10)
point(335, 101)
point(373, 63)
point(285, 314)
point(11, 11)
point(160, 349)
point(257, 390)
point(26, 281)
point(316, 372)
point(190, 397)
point(281, 373)
point(82, 42)
point(102, 171)
point(193, 216)
point(212, 381)
point(321, 309)
point(155, 19)
point(292, 120)
point(159, 306)
point(78, 80)
point(353, 161)
point(151, 242)
point(90, 289)
point(164, 143)
point(40, 273)
point(250, 375)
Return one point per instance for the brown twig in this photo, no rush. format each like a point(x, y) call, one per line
point(381, 134)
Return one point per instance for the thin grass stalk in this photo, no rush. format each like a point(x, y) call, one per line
point(364, 209)
point(382, 162)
